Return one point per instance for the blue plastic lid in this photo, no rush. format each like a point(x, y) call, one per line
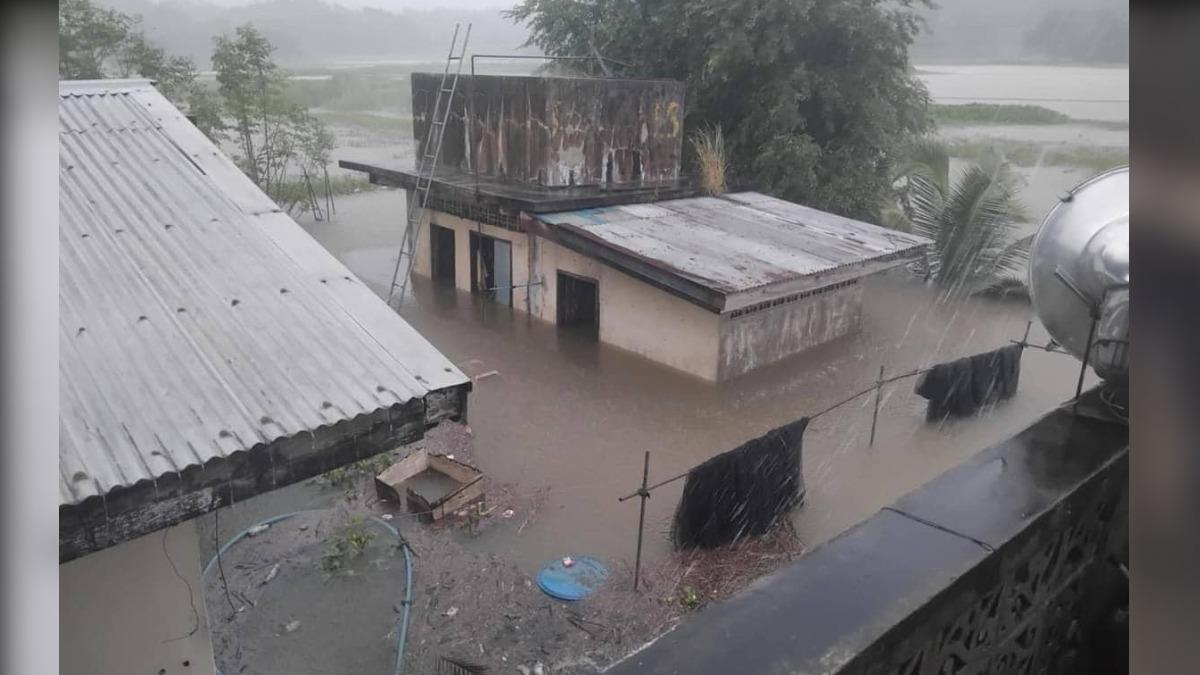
point(572, 583)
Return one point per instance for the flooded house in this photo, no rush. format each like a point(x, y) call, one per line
point(563, 198)
point(210, 351)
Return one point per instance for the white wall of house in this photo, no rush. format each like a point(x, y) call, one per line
point(136, 608)
point(636, 316)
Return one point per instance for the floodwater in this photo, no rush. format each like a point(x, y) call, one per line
point(577, 416)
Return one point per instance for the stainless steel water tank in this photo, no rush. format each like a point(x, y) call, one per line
point(1079, 270)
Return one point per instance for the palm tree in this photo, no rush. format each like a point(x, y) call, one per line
point(973, 222)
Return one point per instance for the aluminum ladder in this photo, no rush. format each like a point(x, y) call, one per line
point(427, 161)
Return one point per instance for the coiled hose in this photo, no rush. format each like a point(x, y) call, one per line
point(408, 566)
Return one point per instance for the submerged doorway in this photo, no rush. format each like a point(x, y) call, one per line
point(578, 302)
point(441, 254)
point(491, 268)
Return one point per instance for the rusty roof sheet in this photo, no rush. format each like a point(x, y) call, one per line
point(739, 242)
point(196, 319)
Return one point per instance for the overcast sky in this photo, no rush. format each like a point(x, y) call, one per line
point(395, 4)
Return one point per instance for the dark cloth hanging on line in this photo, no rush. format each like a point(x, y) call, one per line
point(964, 386)
point(742, 492)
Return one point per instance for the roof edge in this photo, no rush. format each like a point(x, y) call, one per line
point(67, 87)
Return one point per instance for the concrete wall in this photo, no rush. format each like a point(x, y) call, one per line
point(762, 337)
point(126, 610)
point(555, 130)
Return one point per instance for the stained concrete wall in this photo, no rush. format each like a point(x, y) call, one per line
point(132, 608)
point(557, 130)
point(762, 337)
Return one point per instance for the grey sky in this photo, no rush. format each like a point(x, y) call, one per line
point(395, 5)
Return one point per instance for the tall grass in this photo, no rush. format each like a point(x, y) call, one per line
point(995, 113)
point(709, 145)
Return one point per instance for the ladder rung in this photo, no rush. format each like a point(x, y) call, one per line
point(448, 91)
point(456, 58)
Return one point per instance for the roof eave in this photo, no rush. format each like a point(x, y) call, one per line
point(134, 511)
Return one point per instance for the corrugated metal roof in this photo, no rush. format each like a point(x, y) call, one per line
point(196, 320)
point(737, 242)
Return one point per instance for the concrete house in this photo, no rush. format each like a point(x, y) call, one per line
point(562, 198)
point(210, 350)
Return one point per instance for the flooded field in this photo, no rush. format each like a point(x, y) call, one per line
point(574, 417)
point(1082, 92)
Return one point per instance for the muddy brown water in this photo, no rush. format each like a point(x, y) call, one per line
point(569, 419)
point(576, 416)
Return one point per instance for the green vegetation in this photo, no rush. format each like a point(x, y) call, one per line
point(994, 113)
point(346, 543)
point(277, 138)
point(96, 43)
point(344, 477)
point(709, 145)
point(816, 100)
point(1006, 113)
point(1027, 153)
point(689, 597)
point(972, 222)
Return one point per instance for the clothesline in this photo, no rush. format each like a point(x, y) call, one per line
point(878, 384)
point(1024, 342)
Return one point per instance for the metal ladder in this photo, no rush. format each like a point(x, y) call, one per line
point(426, 165)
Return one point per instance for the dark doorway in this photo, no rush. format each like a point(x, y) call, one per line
point(491, 268)
point(579, 304)
point(441, 254)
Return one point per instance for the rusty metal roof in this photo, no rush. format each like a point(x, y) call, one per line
point(196, 319)
point(741, 248)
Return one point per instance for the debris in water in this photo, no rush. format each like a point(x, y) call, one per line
point(490, 373)
point(567, 562)
point(387, 516)
point(451, 612)
point(271, 575)
point(508, 513)
point(292, 626)
point(257, 529)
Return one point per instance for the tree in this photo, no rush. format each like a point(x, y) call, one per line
point(277, 139)
point(96, 43)
point(815, 98)
point(89, 39)
point(972, 222)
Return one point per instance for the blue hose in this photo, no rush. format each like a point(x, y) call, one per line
point(408, 566)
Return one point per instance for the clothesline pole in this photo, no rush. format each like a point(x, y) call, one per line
point(1025, 339)
point(875, 415)
point(644, 494)
point(1087, 352)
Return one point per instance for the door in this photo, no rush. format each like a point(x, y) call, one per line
point(491, 268)
point(502, 272)
point(441, 254)
point(578, 302)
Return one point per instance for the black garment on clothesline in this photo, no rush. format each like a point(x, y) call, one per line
point(963, 386)
point(742, 492)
